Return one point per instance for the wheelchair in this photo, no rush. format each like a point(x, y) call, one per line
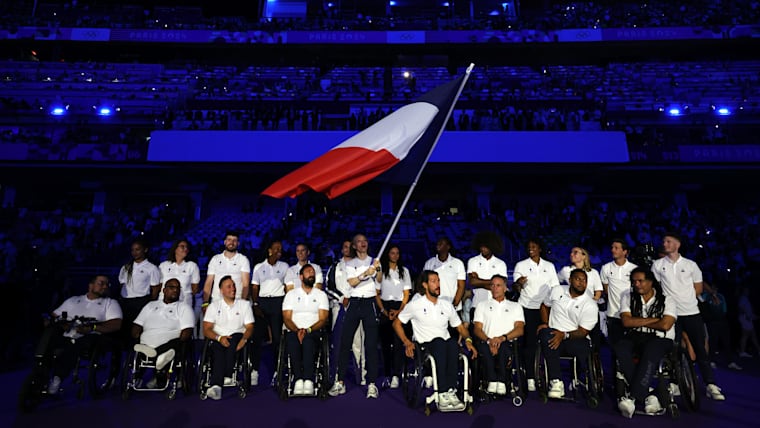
point(685, 375)
point(285, 379)
point(101, 359)
point(666, 373)
point(179, 374)
point(241, 371)
point(587, 378)
point(517, 381)
point(414, 384)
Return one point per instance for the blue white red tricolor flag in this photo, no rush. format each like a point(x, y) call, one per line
point(400, 144)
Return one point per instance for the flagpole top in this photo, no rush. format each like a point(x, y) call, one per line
point(469, 69)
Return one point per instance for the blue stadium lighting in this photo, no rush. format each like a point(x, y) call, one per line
point(445, 4)
point(105, 111)
point(723, 111)
point(58, 111)
point(674, 111)
point(391, 3)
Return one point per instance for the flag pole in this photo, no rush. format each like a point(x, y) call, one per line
point(427, 158)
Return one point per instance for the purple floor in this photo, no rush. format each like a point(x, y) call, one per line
point(262, 406)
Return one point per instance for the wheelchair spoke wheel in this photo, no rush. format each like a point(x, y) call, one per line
point(687, 382)
point(29, 397)
point(412, 380)
point(103, 370)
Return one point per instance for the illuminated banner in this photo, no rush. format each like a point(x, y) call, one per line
point(713, 154)
point(660, 33)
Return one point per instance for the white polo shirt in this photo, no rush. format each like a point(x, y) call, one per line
point(430, 320)
point(102, 309)
point(498, 318)
point(677, 280)
point(542, 276)
point(144, 275)
point(221, 266)
point(229, 319)
point(486, 269)
point(593, 281)
point(270, 278)
point(187, 273)
point(646, 307)
point(354, 269)
point(305, 306)
point(450, 271)
point(341, 280)
point(163, 322)
point(392, 287)
point(568, 313)
point(293, 275)
point(618, 280)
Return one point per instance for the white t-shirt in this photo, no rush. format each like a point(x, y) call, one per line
point(392, 287)
point(221, 266)
point(144, 275)
point(305, 306)
point(354, 269)
point(430, 320)
point(542, 276)
point(646, 307)
point(450, 272)
point(618, 280)
point(568, 313)
point(677, 280)
point(101, 309)
point(187, 273)
point(162, 323)
point(498, 318)
point(229, 319)
point(593, 281)
point(293, 275)
point(270, 278)
point(486, 269)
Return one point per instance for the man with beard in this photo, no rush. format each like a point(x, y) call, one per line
point(164, 327)
point(305, 311)
point(228, 262)
point(431, 318)
point(568, 315)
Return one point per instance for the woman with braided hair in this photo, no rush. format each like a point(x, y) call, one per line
point(648, 316)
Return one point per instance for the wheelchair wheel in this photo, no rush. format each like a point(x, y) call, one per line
point(30, 395)
point(593, 391)
point(282, 381)
point(127, 376)
point(323, 371)
point(412, 379)
point(187, 372)
point(105, 363)
point(687, 382)
point(597, 373)
point(204, 370)
point(541, 376)
point(519, 376)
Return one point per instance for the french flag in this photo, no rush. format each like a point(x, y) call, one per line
point(400, 144)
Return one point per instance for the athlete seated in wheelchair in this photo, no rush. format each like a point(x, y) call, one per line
point(164, 329)
point(227, 327)
point(568, 315)
point(649, 317)
point(498, 323)
point(88, 338)
point(433, 344)
point(305, 314)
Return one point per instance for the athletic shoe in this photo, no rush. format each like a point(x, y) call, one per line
point(372, 391)
point(394, 382)
point(54, 386)
point(164, 359)
point(152, 384)
point(652, 405)
point(675, 389)
point(734, 366)
point(298, 387)
point(454, 401)
point(532, 385)
point(556, 389)
point(745, 355)
point(444, 400)
point(145, 349)
point(627, 407)
point(491, 388)
point(714, 392)
point(308, 387)
point(501, 388)
point(254, 377)
point(228, 381)
point(214, 392)
point(428, 381)
point(337, 389)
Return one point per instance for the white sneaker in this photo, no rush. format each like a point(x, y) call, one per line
point(491, 388)
point(652, 405)
point(152, 384)
point(308, 387)
point(164, 359)
point(428, 381)
point(363, 382)
point(273, 383)
point(214, 392)
point(337, 389)
point(531, 385)
point(734, 366)
point(54, 386)
point(454, 401)
point(556, 389)
point(228, 381)
point(745, 355)
point(298, 387)
point(713, 365)
point(444, 400)
point(145, 349)
point(675, 389)
point(372, 391)
point(254, 377)
point(501, 388)
point(714, 392)
point(394, 382)
point(627, 407)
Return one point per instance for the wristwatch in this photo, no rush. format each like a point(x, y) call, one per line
point(567, 335)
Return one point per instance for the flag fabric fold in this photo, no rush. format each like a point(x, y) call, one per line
point(400, 144)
